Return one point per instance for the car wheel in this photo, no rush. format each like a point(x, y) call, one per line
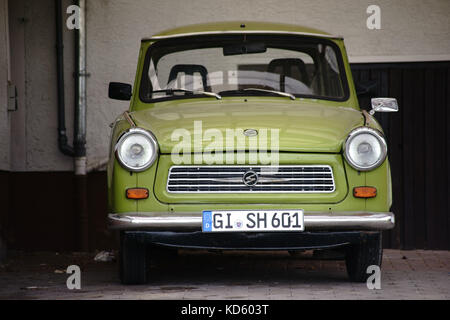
point(133, 260)
point(360, 256)
point(163, 252)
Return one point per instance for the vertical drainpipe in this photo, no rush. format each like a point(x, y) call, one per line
point(62, 136)
point(78, 151)
point(79, 142)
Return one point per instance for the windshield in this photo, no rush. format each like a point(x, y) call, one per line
point(243, 65)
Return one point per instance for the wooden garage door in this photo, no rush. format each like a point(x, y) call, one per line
point(419, 148)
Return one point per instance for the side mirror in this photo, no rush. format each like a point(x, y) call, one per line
point(119, 91)
point(384, 105)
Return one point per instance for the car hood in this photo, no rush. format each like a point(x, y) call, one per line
point(297, 126)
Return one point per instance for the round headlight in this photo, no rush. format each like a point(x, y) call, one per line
point(365, 149)
point(136, 149)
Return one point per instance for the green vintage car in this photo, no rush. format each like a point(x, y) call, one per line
point(247, 136)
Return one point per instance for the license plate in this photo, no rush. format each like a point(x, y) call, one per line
point(252, 221)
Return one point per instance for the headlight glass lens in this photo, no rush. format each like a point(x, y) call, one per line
point(365, 149)
point(136, 150)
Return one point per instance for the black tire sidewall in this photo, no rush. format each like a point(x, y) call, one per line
point(359, 256)
point(133, 260)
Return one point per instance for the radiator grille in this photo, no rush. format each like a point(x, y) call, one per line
point(251, 179)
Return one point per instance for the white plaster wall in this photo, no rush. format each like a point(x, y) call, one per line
point(41, 93)
point(410, 30)
point(4, 119)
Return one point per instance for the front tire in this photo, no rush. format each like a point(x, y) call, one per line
point(359, 256)
point(133, 260)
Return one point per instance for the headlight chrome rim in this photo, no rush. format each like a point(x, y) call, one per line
point(378, 135)
point(124, 136)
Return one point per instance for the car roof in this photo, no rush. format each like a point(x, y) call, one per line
point(240, 27)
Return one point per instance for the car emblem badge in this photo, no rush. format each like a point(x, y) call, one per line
point(250, 132)
point(250, 178)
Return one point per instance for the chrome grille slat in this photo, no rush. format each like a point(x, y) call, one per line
point(179, 175)
point(240, 172)
point(239, 179)
point(228, 179)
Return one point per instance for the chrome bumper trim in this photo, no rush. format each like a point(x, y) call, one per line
point(313, 220)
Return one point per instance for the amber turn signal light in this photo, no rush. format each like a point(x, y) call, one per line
point(364, 192)
point(137, 193)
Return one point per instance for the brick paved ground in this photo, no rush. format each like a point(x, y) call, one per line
point(232, 275)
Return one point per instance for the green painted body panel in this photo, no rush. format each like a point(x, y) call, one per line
point(147, 179)
point(352, 101)
point(381, 179)
point(235, 26)
point(333, 160)
point(311, 131)
point(153, 207)
point(303, 125)
point(119, 179)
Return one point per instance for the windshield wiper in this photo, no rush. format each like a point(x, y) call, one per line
point(280, 93)
point(206, 93)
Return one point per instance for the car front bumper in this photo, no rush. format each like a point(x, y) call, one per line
point(358, 221)
point(252, 240)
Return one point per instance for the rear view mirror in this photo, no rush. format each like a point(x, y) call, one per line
point(119, 91)
point(384, 105)
point(244, 48)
